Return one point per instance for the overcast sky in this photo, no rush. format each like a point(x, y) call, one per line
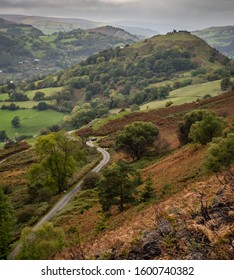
point(161, 15)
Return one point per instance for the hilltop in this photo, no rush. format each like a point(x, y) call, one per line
point(116, 32)
point(220, 37)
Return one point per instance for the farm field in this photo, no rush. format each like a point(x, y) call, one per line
point(31, 121)
point(47, 91)
point(186, 95)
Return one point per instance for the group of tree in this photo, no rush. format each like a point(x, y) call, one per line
point(17, 96)
point(84, 114)
point(11, 107)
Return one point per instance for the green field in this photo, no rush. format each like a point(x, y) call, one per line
point(30, 93)
point(186, 95)
point(47, 91)
point(4, 96)
point(32, 121)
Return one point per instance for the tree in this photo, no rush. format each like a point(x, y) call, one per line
point(58, 156)
point(38, 96)
point(6, 225)
point(190, 119)
point(3, 136)
point(118, 186)
point(42, 106)
point(226, 83)
point(41, 244)
point(15, 121)
point(136, 138)
point(205, 130)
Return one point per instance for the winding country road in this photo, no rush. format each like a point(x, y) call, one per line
point(66, 197)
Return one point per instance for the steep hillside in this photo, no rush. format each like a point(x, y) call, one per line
point(189, 217)
point(220, 37)
point(116, 32)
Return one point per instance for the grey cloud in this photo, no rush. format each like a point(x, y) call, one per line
point(161, 14)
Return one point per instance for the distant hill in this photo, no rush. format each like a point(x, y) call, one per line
point(18, 30)
point(221, 38)
point(140, 32)
point(27, 52)
point(49, 25)
point(115, 31)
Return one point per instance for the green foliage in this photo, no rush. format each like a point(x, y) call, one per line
point(90, 181)
point(18, 96)
point(58, 156)
point(15, 121)
point(6, 225)
point(148, 191)
point(205, 130)
point(42, 106)
point(169, 103)
point(220, 154)
point(39, 96)
point(226, 83)
point(118, 186)
point(190, 119)
point(41, 244)
point(137, 138)
point(3, 136)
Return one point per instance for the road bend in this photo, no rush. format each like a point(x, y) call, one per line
point(67, 196)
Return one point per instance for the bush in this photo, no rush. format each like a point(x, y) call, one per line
point(169, 103)
point(205, 130)
point(90, 181)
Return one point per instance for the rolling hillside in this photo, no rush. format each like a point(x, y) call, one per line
point(142, 72)
point(26, 52)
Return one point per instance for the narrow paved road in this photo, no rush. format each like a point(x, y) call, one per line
point(65, 199)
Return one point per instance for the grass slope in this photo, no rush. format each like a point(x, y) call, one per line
point(186, 95)
point(31, 121)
